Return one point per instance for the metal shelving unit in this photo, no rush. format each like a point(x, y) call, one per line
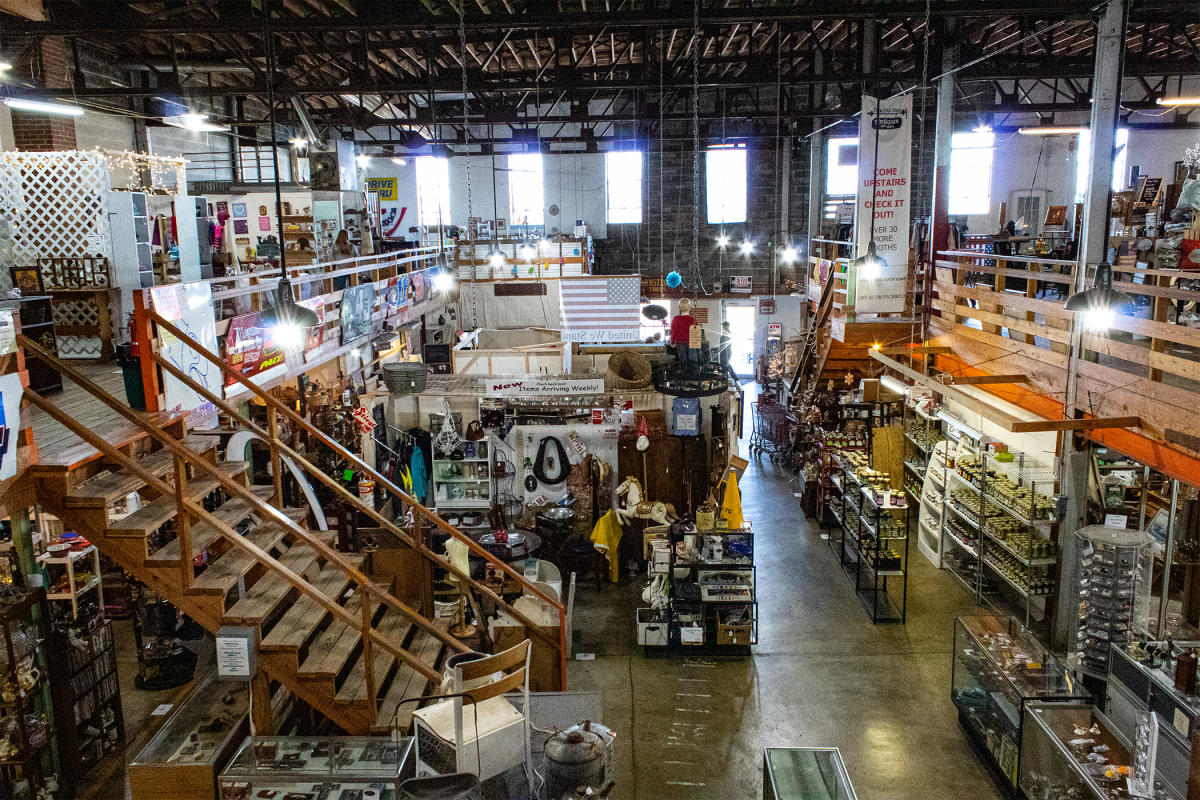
point(870, 527)
point(720, 582)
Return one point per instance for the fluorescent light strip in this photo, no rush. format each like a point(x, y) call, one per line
point(894, 384)
point(958, 424)
point(1052, 130)
point(43, 107)
point(1179, 101)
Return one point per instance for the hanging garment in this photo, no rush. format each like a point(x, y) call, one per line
point(606, 537)
point(156, 233)
point(418, 476)
point(421, 462)
point(731, 506)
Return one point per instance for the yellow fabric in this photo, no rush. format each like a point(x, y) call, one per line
point(731, 506)
point(606, 537)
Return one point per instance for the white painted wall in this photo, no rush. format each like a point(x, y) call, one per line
point(207, 153)
point(575, 183)
point(481, 176)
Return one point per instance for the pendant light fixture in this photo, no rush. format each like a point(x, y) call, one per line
point(1099, 304)
point(286, 320)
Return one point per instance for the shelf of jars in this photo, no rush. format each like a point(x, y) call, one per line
point(873, 546)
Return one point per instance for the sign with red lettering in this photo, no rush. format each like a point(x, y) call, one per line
point(250, 348)
point(882, 207)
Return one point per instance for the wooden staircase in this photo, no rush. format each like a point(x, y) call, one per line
point(303, 646)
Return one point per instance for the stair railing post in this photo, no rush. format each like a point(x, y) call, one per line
point(276, 466)
point(367, 649)
point(183, 525)
point(425, 540)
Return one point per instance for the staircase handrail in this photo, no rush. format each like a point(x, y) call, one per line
point(418, 509)
point(199, 512)
point(824, 308)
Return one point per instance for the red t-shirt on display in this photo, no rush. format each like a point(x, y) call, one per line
point(681, 325)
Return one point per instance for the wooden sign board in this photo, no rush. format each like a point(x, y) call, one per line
point(1148, 189)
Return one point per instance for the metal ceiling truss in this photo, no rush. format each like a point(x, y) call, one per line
point(358, 63)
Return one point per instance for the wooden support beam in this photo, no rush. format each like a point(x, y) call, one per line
point(1004, 420)
point(1076, 424)
point(980, 380)
point(921, 350)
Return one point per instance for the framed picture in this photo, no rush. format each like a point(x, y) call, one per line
point(222, 207)
point(241, 226)
point(27, 279)
point(1056, 215)
point(1158, 526)
point(239, 209)
point(1181, 172)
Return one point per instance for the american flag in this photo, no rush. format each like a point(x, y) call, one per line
point(601, 309)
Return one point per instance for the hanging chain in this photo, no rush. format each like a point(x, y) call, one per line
point(923, 201)
point(462, 60)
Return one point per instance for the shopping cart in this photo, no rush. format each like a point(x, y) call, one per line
point(772, 434)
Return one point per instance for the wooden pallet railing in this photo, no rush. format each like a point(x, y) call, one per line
point(1008, 311)
point(421, 514)
point(816, 342)
point(191, 511)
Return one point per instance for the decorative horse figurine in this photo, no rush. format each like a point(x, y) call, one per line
point(629, 504)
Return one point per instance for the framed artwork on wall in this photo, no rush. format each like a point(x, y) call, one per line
point(239, 209)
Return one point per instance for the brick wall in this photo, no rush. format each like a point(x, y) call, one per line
point(664, 239)
point(44, 64)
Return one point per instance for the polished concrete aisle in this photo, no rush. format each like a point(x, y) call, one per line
point(821, 675)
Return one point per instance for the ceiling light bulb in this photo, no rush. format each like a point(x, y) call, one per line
point(1051, 130)
point(789, 255)
point(5, 65)
point(298, 142)
point(288, 336)
point(747, 247)
point(194, 121)
point(528, 252)
point(400, 162)
point(43, 107)
point(1098, 319)
point(496, 259)
point(722, 241)
point(443, 282)
point(1179, 101)
point(362, 159)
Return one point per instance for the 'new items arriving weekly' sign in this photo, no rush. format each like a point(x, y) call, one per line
point(884, 178)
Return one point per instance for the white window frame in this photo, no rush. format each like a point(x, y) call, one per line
point(840, 181)
point(254, 164)
point(971, 158)
point(623, 186)
point(725, 185)
point(526, 189)
point(433, 190)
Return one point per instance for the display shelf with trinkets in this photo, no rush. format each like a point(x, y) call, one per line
point(73, 568)
point(998, 668)
point(712, 589)
point(874, 538)
point(834, 445)
point(30, 759)
point(87, 689)
point(1071, 751)
point(1114, 566)
point(182, 761)
point(317, 768)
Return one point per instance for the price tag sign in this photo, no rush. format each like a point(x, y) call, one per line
point(1116, 521)
point(235, 653)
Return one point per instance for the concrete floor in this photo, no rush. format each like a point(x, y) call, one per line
point(821, 675)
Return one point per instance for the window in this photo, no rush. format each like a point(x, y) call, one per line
point(623, 184)
point(841, 166)
point(971, 172)
point(433, 190)
point(1084, 161)
point(725, 183)
point(525, 192)
point(255, 164)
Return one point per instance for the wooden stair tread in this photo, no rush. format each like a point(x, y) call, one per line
point(72, 453)
point(222, 574)
point(270, 590)
point(408, 683)
point(395, 626)
point(298, 622)
point(333, 647)
point(230, 512)
point(160, 510)
point(108, 487)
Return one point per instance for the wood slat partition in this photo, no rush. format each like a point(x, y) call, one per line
point(1139, 367)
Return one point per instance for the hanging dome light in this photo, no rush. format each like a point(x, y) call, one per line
point(788, 255)
point(286, 320)
point(746, 247)
point(527, 252)
point(722, 241)
point(1099, 304)
point(674, 279)
point(869, 266)
point(496, 258)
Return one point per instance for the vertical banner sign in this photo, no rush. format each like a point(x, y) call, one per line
point(883, 193)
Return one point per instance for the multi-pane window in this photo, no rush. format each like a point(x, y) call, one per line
point(971, 172)
point(623, 186)
point(841, 166)
point(255, 164)
point(433, 190)
point(725, 183)
point(526, 194)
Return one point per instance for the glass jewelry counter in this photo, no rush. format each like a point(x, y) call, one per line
point(182, 760)
point(1073, 751)
point(805, 773)
point(997, 669)
point(317, 768)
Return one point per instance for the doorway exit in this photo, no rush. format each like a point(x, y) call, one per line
point(741, 319)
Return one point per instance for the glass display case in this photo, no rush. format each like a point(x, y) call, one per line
point(182, 760)
point(805, 773)
point(317, 768)
point(997, 669)
point(1142, 679)
point(1073, 751)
